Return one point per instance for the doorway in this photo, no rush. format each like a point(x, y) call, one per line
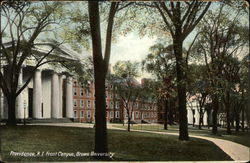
point(30, 97)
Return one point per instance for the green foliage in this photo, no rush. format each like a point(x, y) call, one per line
point(161, 63)
point(77, 31)
point(223, 42)
point(126, 69)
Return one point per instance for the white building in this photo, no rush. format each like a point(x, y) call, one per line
point(49, 93)
point(193, 113)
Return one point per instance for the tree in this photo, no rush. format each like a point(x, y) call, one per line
point(221, 38)
point(128, 89)
point(21, 38)
point(181, 19)
point(101, 64)
point(160, 62)
point(242, 92)
point(198, 89)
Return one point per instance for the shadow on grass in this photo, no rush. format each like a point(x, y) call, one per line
point(126, 146)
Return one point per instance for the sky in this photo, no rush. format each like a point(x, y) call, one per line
point(131, 47)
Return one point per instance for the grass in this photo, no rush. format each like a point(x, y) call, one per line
point(238, 137)
point(127, 146)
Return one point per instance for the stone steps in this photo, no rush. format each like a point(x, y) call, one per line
point(49, 120)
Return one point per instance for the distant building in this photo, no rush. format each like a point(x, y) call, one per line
point(84, 106)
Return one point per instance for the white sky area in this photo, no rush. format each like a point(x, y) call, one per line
point(131, 47)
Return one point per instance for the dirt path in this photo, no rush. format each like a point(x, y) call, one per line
point(236, 151)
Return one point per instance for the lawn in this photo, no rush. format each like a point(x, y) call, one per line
point(127, 146)
point(238, 137)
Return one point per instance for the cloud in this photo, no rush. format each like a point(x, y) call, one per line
point(131, 47)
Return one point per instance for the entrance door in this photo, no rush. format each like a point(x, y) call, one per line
point(30, 102)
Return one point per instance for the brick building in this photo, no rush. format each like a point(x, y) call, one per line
point(84, 106)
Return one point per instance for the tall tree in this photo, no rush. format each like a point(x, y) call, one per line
point(222, 37)
point(100, 70)
point(128, 89)
point(160, 62)
point(180, 19)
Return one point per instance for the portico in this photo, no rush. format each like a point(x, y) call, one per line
point(43, 96)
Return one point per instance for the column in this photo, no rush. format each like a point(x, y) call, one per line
point(69, 98)
point(197, 117)
point(205, 118)
point(61, 78)
point(211, 116)
point(1, 105)
point(190, 116)
point(37, 94)
point(55, 96)
point(19, 99)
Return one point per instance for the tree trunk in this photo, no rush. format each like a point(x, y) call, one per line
point(166, 115)
point(181, 87)
point(201, 120)
point(215, 103)
point(237, 120)
point(99, 75)
point(170, 113)
point(193, 113)
point(11, 111)
point(243, 119)
point(100, 119)
point(228, 118)
point(129, 121)
point(227, 105)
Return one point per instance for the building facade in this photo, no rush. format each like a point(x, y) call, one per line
point(84, 106)
point(43, 96)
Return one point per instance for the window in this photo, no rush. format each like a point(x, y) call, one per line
point(136, 114)
point(89, 103)
point(117, 114)
point(116, 96)
point(81, 91)
point(106, 114)
point(75, 91)
point(87, 93)
point(117, 104)
point(75, 83)
point(81, 103)
point(137, 105)
point(75, 114)
point(82, 114)
point(111, 114)
point(82, 84)
point(111, 86)
point(88, 114)
point(111, 104)
point(111, 95)
point(75, 103)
